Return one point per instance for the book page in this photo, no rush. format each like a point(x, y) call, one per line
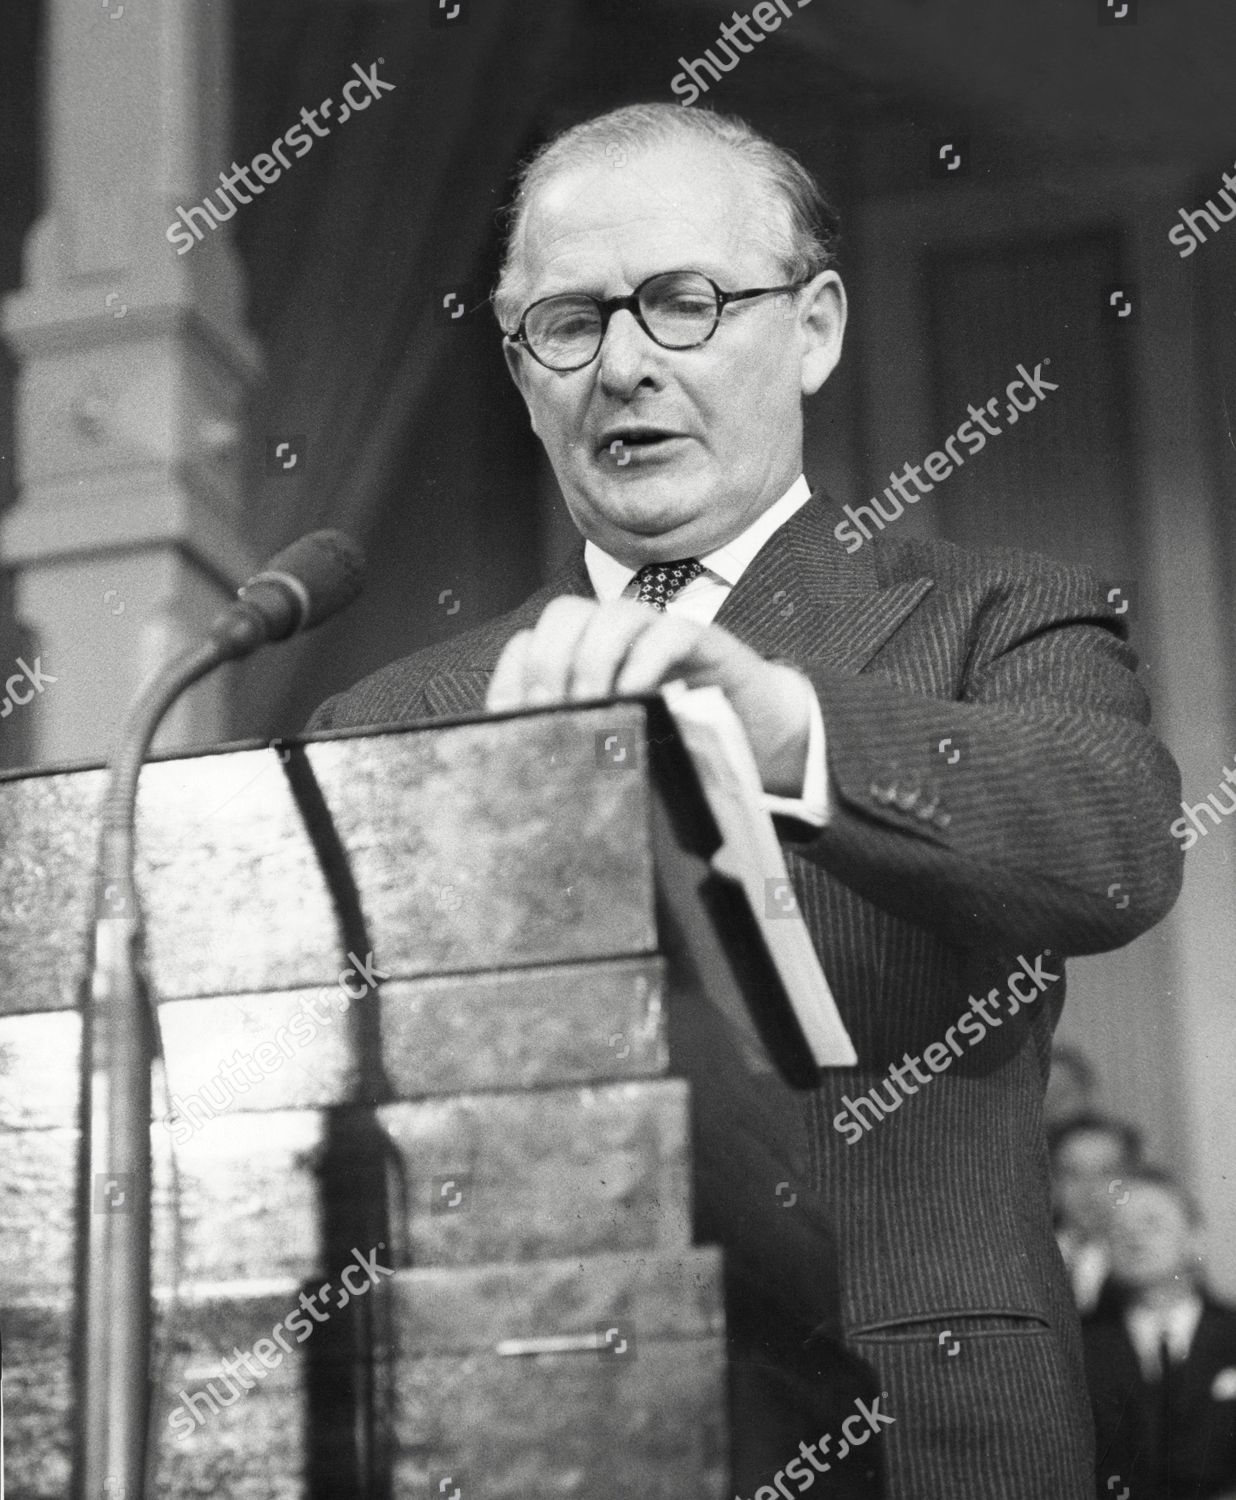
point(751, 855)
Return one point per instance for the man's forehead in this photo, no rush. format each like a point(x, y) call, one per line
point(639, 212)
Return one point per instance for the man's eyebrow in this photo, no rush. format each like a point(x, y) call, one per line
point(702, 263)
point(581, 288)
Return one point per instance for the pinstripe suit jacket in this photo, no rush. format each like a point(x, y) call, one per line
point(1040, 831)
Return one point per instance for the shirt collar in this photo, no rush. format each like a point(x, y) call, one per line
point(1177, 1324)
point(728, 563)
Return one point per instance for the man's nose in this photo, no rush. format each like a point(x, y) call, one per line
point(626, 354)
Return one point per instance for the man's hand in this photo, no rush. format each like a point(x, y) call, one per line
point(581, 649)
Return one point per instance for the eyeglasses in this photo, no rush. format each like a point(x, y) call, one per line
point(676, 309)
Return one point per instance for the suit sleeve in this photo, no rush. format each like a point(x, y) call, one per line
point(323, 716)
point(392, 695)
point(1032, 811)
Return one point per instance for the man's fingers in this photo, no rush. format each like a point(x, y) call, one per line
point(549, 663)
point(604, 646)
point(578, 649)
point(659, 653)
point(506, 686)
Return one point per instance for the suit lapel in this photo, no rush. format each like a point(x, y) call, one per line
point(803, 598)
point(1206, 1357)
point(460, 689)
point(456, 692)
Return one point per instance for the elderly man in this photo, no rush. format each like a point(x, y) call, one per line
point(669, 299)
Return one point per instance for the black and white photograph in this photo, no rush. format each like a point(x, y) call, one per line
point(618, 750)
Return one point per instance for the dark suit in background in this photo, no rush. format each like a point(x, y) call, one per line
point(942, 866)
point(1173, 1443)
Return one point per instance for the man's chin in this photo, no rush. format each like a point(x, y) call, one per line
point(647, 506)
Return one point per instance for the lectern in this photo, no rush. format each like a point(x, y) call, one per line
point(480, 1161)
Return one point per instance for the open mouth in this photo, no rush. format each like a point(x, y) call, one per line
point(632, 440)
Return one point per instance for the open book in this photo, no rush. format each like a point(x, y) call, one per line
point(751, 855)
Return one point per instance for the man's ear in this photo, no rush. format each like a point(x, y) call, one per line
point(821, 317)
point(518, 367)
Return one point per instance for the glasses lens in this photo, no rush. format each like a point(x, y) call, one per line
point(564, 331)
point(680, 308)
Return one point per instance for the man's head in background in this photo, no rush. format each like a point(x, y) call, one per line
point(1090, 1156)
point(669, 452)
point(1072, 1087)
point(1154, 1239)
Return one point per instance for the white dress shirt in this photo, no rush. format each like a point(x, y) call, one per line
point(1150, 1327)
point(702, 598)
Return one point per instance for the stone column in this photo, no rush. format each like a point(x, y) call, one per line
point(132, 363)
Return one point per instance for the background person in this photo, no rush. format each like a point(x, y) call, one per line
point(1090, 1157)
point(1162, 1366)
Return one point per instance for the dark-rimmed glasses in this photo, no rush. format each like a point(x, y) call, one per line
point(676, 309)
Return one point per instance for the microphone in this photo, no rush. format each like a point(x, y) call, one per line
point(298, 588)
point(303, 585)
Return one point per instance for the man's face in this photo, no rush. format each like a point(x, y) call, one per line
point(1152, 1242)
point(665, 453)
point(1087, 1165)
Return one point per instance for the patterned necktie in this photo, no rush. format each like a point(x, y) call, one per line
point(659, 582)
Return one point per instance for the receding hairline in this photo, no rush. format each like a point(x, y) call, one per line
point(797, 226)
point(733, 166)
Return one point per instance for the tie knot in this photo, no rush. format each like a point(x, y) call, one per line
point(659, 582)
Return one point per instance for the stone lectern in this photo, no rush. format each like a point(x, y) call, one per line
point(480, 1163)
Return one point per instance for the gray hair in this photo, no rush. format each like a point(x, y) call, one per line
point(801, 228)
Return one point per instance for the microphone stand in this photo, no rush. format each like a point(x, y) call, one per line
point(302, 585)
point(119, 1044)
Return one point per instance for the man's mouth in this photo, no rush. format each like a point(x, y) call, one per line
point(631, 440)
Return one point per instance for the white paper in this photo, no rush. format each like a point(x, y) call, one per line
point(751, 855)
